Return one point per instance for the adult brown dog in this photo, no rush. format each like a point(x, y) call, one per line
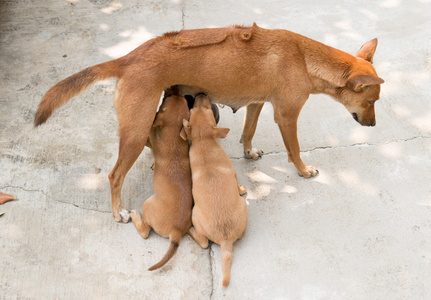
point(169, 210)
point(236, 66)
point(219, 213)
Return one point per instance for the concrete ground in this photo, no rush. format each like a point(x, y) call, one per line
point(360, 230)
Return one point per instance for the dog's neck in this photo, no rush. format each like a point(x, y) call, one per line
point(166, 142)
point(328, 68)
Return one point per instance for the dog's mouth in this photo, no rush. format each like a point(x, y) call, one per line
point(355, 116)
point(363, 123)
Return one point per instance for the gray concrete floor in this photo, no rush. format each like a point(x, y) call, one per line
point(360, 230)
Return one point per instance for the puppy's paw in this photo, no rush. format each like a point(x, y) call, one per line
point(242, 190)
point(125, 216)
point(253, 153)
point(308, 172)
point(134, 215)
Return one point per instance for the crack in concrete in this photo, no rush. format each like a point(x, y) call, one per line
point(340, 147)
point(182, 16)
point(50, 198)
point(21, 188)
point(80, 207)
point(211, 257)
point(366, 144)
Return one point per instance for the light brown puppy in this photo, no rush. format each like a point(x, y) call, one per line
point(235, 66)
point(169, 210)
point(219, 213)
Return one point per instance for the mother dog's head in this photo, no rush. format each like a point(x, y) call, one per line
point(362, 87)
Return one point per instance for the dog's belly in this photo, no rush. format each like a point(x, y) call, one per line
point(234, 101)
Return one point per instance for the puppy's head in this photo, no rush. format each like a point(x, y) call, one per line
point(362, 87)
point(202, 123)
point(173, 109)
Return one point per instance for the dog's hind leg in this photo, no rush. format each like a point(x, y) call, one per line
point(252, 112)
point(241, 189)
point(136, 112)
point(200, 239)
point(142, 227)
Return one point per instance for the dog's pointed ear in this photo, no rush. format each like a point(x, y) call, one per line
point(367, 50)
point(358, 82)
point(221, 133)
point(185, 131)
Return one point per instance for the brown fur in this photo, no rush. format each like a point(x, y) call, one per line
point(168, 211)
point(235, 66)
point(219, 213)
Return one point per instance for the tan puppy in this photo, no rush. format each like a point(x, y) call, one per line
point(169, 210)
point(235, 66)
point(219, 214)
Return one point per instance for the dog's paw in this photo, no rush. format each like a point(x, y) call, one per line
point(242, 190)
point(134, 215)
point(124, 216)
point(308, 172)
point(254, 153)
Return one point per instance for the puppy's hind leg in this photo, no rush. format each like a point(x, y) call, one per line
point(200, 239)
point(136, 112)
point(142, 227)
point(241, 189)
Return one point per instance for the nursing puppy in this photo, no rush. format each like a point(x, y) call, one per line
point(219, 213)
point(169, 210)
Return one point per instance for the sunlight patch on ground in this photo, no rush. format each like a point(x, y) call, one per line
point(359, 135)
point(113, 7)
point(135, 39)
point(258, 176)
point(259, 192)
point(92, 181)
point(423, 122)
point(352, 180)
point(392, 151)
point(289, 189)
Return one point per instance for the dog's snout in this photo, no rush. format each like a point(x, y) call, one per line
point(373, 123)
point(355, 116)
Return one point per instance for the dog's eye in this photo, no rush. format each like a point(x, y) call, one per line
point(372, 102)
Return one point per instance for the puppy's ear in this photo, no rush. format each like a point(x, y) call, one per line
point(221, 133)
point(172, 91)
point(185, 131)
point(367, 50)
point(358, 82)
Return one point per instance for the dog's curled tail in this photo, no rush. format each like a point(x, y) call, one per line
point(175, 238)
point(73, 85)
point(226, 260)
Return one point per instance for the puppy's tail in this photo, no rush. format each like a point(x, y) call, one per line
point(175, 238)
point(73, 85)
point(226, 260)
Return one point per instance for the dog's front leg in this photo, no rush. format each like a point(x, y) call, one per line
point(252, 112)
point(287, 122)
